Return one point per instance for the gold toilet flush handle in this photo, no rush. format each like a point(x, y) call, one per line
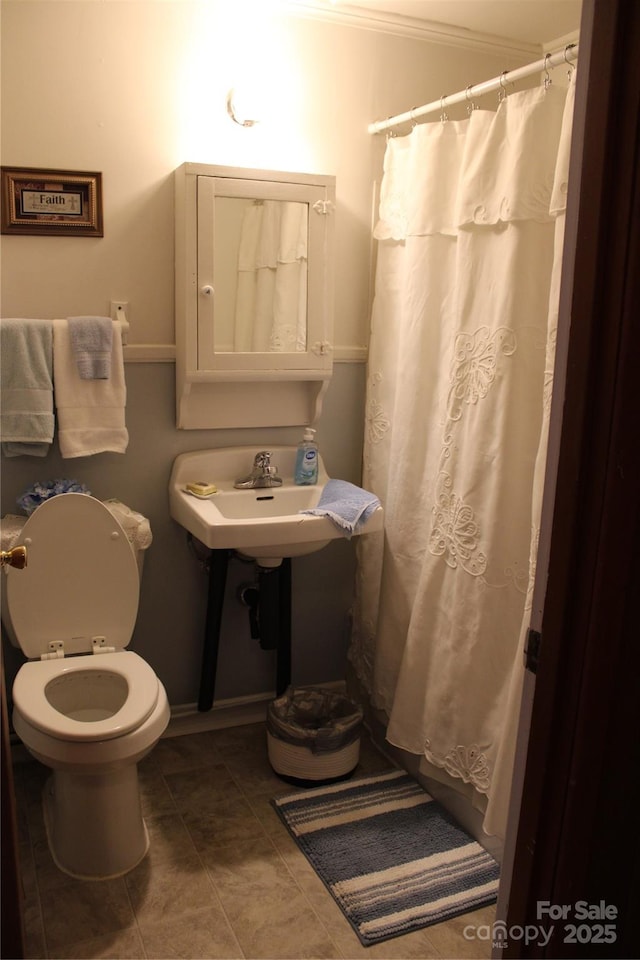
point(16, 557)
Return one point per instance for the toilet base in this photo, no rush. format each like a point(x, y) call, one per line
point(94, 823)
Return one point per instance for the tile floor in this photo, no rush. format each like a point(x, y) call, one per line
point(222, 879)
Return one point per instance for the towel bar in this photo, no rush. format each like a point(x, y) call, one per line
point(121, 318)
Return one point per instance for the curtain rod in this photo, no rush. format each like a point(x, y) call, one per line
point(568, 55)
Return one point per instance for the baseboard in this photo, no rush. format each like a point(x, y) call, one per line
point(234, 712)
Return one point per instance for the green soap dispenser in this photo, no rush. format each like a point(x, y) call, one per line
point(306, 471)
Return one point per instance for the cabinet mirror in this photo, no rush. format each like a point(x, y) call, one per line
point(254, 280)
point(259, 275)
point(254, 267)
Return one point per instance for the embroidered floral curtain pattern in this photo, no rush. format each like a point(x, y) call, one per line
point(458, 391)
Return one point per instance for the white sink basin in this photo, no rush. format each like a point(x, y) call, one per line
point(263, 523)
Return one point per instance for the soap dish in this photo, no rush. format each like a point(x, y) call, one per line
point(201, 489)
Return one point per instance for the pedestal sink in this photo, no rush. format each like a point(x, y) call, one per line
point(264, 524)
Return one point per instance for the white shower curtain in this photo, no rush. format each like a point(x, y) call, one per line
point(463, 333)
point(271, 296)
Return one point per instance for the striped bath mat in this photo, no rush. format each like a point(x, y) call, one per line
point(393, 858)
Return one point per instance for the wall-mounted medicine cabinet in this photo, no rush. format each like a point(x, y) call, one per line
point(254, 295)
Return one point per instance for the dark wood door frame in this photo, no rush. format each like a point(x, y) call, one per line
point(578, 836)
point(12, 937)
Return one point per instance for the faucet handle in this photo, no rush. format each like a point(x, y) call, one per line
point(262, 461)
point(264, 474)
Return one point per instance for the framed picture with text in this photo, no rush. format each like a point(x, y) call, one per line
point(57, 203)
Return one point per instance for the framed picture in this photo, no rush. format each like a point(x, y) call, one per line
point(56, 203)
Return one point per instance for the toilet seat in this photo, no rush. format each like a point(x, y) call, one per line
point(30, 699)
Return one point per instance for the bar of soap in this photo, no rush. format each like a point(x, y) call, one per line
point(201, 488)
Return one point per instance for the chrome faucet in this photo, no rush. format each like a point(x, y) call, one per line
point(262, 475)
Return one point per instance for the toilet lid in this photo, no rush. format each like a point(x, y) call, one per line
point(81, 579)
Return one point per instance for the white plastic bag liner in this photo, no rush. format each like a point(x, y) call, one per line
point(320, 720)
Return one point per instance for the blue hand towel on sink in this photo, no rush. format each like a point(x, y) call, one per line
point(347, 505)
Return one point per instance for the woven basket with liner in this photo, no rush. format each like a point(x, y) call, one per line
point(313, 735)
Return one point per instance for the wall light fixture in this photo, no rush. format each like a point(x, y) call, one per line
point(240, 110)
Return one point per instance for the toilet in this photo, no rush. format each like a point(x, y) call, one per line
point(84, 705)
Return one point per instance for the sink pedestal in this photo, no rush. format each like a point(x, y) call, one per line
point(274, 613)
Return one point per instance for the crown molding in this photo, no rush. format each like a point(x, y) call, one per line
point(401, 26)
point(563, 41)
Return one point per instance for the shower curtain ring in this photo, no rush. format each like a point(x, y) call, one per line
point(568, 62)
point(471, 106)
point(443, 114)
point(547, 79)
point(502, 93)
